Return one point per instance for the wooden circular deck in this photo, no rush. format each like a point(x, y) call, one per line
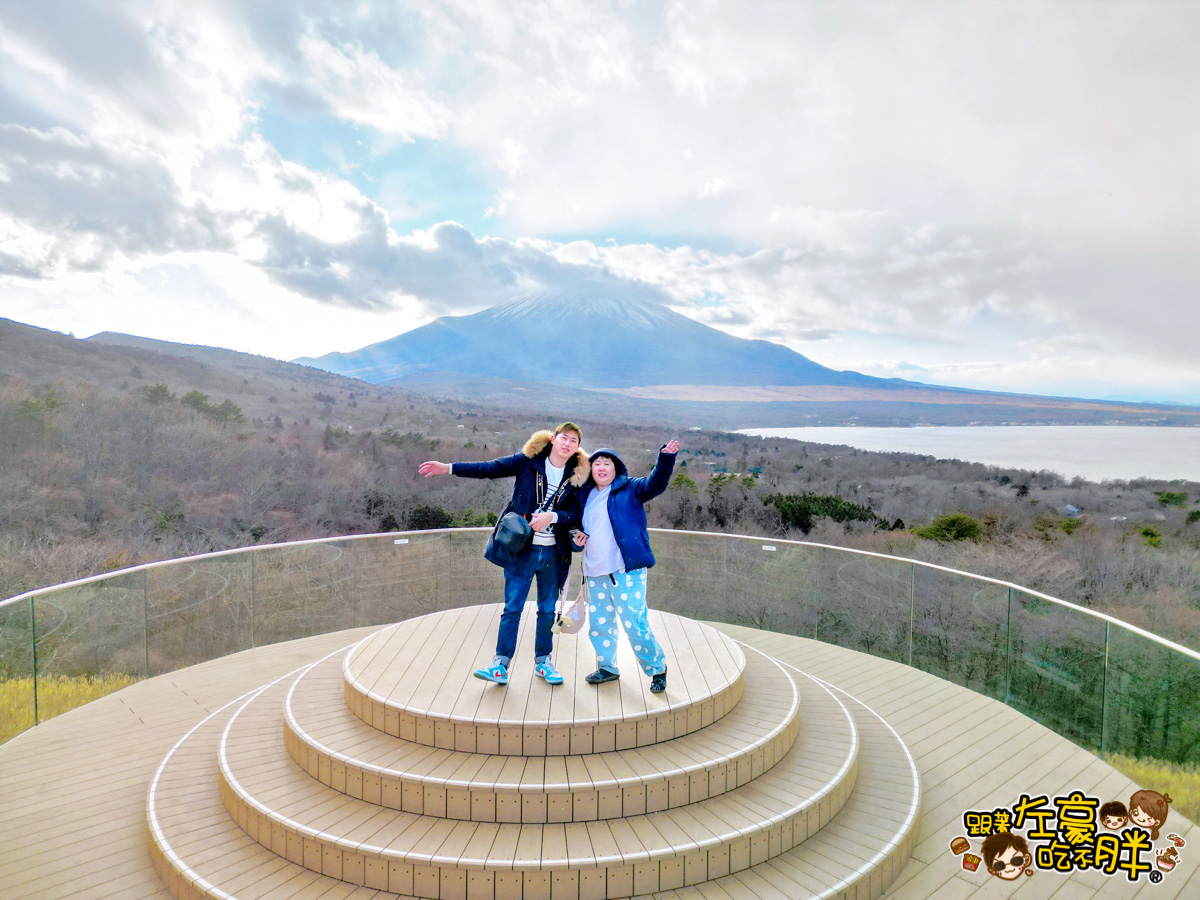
point(347, 754)
point(413, 680)
point(409, 776)
point(836, 775)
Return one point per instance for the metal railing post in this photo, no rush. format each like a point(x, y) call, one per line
point(725, 617)
point(820, 599)
point(252, 584)
point(33, 635)
point(356, 582)
point(146, 620)
point(1104, 694)
point(1008, 654)
point(912, 605)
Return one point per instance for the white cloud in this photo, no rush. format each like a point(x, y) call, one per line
point(577, 253)
point(85, 201)
point(169, 75)
point(254, 181)
point(513, 156)
point(860, 182)
point(1111, 374)
point(716, 186)
point(199, 298)
point(359, 87)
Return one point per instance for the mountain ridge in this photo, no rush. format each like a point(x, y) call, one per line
point(612, 343)
point(40, 354)
point(488, 345)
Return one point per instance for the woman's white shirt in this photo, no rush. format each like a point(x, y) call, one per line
point(601, 556)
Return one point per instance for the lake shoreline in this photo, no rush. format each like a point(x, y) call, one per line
point(1095, 452)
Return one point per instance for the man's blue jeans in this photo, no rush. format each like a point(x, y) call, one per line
point(542, 563)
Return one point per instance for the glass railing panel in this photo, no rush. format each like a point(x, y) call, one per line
point(471, 580)
point(91, 641)
point(863, 603)
point(688, 577)
point(1153, 700)
point(405, 575)
point(302, 591)
point(960, 630)
point(197, 610)
point(770, 585)
point(1057, 668)
point(1046, 660)
point(16, 669)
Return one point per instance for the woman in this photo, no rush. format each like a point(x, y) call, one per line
point(616, 557)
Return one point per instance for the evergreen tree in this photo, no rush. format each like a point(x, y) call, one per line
point(156, 394)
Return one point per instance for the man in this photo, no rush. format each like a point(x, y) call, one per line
point(549, 469)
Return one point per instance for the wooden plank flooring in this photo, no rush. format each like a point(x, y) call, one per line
point(72, 790)
point(817, 776)
point(414, 681)
point(330, 742)
point(975, 753)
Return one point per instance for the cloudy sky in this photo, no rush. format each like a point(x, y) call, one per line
point(988, 194)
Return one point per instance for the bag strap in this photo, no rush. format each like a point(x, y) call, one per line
point(549, 502)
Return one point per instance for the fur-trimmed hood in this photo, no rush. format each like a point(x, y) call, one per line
point(577, 462)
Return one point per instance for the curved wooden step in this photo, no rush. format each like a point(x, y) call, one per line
point(280, 805)
point(201, 852)
point(861, 852)
point(341, 751)
point(413, 680)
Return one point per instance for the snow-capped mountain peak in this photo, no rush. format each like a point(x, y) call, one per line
point(644, 312)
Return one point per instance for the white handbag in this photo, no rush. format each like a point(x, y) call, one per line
point(571, 617)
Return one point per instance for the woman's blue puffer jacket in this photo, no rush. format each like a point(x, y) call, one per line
point(625, 509)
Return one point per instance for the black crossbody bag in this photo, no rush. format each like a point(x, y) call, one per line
point(513, 531)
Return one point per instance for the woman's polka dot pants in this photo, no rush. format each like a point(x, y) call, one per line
point(623, 602)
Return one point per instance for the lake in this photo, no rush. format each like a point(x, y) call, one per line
point(1095, 452)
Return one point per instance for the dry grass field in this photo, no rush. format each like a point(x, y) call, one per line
point(57, 694)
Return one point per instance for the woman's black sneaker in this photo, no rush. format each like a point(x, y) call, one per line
point(658, 683)
point(600, 676)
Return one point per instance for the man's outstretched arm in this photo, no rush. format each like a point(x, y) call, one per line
point(504, 467)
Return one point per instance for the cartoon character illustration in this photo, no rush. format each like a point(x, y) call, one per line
point(1166, 859)
point(1006, 854)
point(1113, 815)
point(1149, 810)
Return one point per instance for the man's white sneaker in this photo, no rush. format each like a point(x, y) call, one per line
point(546, 670)
point(496, 673)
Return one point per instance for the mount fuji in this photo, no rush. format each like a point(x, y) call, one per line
point(595, 352)
point(585, 340)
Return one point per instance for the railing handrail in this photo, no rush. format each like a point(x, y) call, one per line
point(1104, 617)
point(218, 553)
point(1179, 648)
